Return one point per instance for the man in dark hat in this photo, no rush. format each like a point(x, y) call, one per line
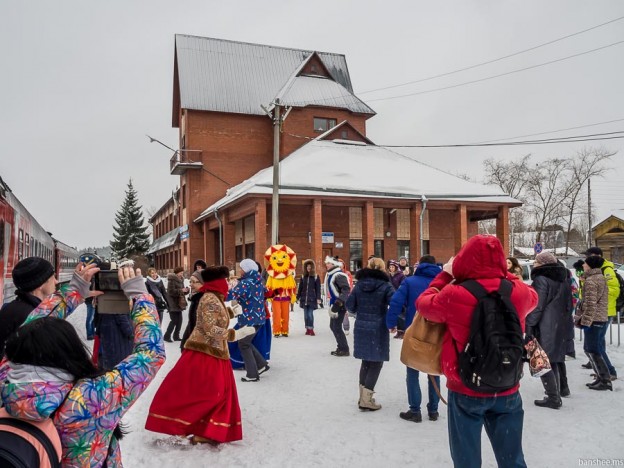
point(34, 280)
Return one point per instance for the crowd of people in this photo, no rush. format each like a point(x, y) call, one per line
point(50, 379)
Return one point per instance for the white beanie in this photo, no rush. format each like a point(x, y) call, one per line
point(248, 265)
point(333, 261)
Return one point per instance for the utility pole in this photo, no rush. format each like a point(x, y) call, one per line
point(589, 235)
point(277, 124)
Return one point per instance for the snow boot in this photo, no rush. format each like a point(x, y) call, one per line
point(312, 332)
point(434, 416)
point(167, 338)
point(367, 402)
point(603, 381)
point(360, 399)
point(587, 365)
point(414, 416)
point(553, 399)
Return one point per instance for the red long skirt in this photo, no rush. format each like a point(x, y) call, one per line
point(197, 397)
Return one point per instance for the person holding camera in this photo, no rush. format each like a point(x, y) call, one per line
point(156, 288)
point(48, 372)
point(177, 292)
point(337, 287)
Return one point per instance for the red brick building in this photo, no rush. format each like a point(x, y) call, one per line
point(339, 193)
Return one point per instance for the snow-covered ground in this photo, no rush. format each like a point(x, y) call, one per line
point(303, 412)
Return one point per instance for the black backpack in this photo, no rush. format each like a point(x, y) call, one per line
point(17, 452)
point(619, 303)
point(491, 362)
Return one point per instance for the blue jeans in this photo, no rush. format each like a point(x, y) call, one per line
point(414, 395)
point(89, 324)
point(594, 334)
point(602, 343)
point(308, 317)
point(503, 419)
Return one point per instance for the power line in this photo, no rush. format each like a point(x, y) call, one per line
point(494, 60)
point(568, 139)
point(487, 78)
point(553, 131)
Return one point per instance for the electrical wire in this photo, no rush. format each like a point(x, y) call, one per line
point(487, 78)
point(492, 61)
point(568, 139)
point(553, 131)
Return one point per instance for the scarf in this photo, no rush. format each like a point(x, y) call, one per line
point(219, 286)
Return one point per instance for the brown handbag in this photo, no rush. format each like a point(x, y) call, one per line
point(422, 345)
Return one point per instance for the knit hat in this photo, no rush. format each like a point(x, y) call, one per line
point(248, 265)
point(332, 261)
point(594, 251)
point(31, 272)
point(593, 261)
point(214, 272)
point(395, 263)
point(544, 258)
point(197, 275)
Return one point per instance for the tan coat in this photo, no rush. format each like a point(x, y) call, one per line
point(211, 333)
point(593, 307)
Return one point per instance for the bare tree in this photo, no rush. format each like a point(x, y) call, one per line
point(587, 163)
point(545, 193)
point(510, 176)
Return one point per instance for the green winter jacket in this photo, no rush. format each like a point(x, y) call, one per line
point(608, 270)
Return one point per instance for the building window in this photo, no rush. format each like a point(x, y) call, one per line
point(403, 249)
point(250, 250)
point(344, 134)
point(379, 249)
point(239, 253)
point(355, 255)
point(425, 247)
point(322, 124)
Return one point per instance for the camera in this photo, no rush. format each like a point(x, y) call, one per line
point(113, 301)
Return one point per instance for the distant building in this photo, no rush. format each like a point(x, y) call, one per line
point(339, 193)
point(608, 234)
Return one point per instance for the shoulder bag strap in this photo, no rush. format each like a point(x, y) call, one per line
point(37, 434)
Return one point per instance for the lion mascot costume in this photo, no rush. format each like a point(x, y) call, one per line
point(280, 262)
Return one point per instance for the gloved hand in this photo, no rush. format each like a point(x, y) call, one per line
point(337, 306)
point(134, 286)
point(237, 309)
point(243, 332)
point(332, 314)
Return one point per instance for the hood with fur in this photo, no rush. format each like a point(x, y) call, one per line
point(305, 268)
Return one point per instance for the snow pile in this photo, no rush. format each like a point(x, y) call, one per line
point(304, 413)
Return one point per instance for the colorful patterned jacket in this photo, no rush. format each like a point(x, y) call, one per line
point(249, 293)
point(88, 410)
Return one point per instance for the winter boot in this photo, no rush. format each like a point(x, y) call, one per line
point(553, 399)
point(414, 416)
point(360, 399)
point(367, 402)
point(312, 332)
point(587, 365)
point(603, 381)
point(167, 338)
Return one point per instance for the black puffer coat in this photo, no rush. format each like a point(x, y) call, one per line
point(551, 320)
point(14, 314)
point(309, 291)
point(369, 302)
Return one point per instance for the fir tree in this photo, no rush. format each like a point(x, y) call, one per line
point(130, 237)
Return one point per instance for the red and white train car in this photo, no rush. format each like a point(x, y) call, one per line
point(22, 236)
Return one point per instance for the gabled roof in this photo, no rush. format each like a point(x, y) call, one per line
point(337, 168)
point(344, 125)
point(236, 77)
point(619, 214)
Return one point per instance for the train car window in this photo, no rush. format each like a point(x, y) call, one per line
point(27, 246)
point(2, 239)
point(20, 248)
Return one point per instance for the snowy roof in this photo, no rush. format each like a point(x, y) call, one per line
point(619, 214)
point(528, 251)
point(164, 241)
point(331, 168)
point(228, 76)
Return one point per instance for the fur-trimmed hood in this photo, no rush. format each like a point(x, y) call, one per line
point(305, 266)
point(554, 271)
point(370, 279)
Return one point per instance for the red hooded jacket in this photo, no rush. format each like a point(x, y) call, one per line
point(481, 258)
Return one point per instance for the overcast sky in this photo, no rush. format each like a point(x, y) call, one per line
point(82, 82)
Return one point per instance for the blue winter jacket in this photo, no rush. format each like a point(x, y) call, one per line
point(412, 287)
point(249, 292)
point(369, 302)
